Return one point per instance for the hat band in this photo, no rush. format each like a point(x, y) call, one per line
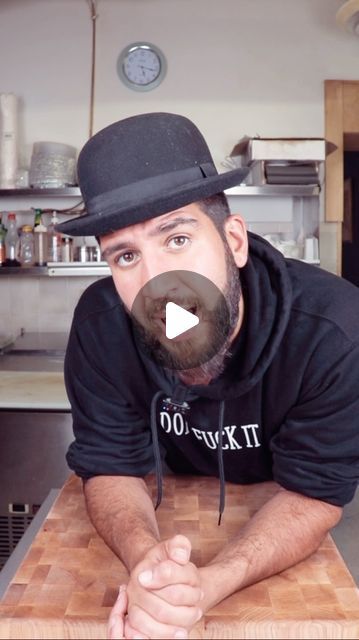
point(149, 187)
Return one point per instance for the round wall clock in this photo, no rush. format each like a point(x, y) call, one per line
point(141, 66)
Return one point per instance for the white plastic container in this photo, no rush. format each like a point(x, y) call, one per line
point(8, 140)
point(52, 165)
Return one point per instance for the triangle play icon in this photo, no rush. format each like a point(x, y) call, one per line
point(178, 320)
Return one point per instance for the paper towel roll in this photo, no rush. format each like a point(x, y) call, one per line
point(8, 140)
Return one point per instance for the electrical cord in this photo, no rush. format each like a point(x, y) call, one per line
point(67, 210)
point(94, 15)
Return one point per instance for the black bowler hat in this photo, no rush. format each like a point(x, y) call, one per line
point(143, 167)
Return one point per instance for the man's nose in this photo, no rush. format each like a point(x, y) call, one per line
point(158, 283)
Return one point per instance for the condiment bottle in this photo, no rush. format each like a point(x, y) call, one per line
point(12, 242)
point(40, 239)
point(54, 240)
point(38, 214)
point(27, 253)
point(2, 243)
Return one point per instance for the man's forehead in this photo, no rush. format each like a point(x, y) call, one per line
point(145, 227)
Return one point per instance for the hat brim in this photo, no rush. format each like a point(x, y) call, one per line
point(103, 223)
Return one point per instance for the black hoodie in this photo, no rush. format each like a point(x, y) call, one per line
point(286, 406)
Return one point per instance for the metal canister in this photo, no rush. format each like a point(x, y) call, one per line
point(66, 249)
point(83, 253)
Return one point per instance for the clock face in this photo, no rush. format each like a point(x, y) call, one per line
point(141, 66)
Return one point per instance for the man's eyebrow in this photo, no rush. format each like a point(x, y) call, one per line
point(171, 224)
point(164, 227)
point(113, 249)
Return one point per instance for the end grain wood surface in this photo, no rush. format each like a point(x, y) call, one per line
point(69, 579)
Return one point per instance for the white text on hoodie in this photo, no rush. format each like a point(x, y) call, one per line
point(234, 437)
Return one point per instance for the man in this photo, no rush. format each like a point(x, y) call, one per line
point(277, 398)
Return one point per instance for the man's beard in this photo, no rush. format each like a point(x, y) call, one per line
point(181, 356)
point(213, 368)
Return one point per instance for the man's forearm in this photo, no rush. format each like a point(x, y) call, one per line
point(122, 512)
point(287, 529)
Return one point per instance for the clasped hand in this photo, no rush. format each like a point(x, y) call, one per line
point(163, 596)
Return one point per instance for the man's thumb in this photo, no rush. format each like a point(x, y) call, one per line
point(178, 549)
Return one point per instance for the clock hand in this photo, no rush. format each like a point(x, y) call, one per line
point(148, 68)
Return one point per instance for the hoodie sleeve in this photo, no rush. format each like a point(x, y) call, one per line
point(316, 450)
point(111, 438)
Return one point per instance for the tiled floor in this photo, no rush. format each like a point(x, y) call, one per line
point(346, 536)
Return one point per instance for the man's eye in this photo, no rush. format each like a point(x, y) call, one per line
point(178, 241)
point(126, 259)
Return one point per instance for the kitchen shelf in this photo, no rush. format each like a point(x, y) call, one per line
point(297, 199)
point(63, 192)
point(74, 269)
point(242, 190)
point(274, 190)
point(59, 270)
point(23, 271)
point(78, 269)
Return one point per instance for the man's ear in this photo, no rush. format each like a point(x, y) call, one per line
point(237, 238)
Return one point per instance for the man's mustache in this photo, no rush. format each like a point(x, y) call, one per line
point(157, 308)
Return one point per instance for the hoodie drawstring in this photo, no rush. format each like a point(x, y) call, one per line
point(156, 447)
point(158, 462)
point(222, 479)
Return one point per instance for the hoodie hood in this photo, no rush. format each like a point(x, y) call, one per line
point(267, 293)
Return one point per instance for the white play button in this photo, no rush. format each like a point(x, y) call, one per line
point(178, 320)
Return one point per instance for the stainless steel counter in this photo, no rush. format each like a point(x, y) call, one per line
point(38, 343)
point(31, 373)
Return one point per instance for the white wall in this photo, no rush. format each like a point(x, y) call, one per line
point(38, 304)
point(234, 66)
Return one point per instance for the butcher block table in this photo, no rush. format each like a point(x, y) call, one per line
point(68, 581)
